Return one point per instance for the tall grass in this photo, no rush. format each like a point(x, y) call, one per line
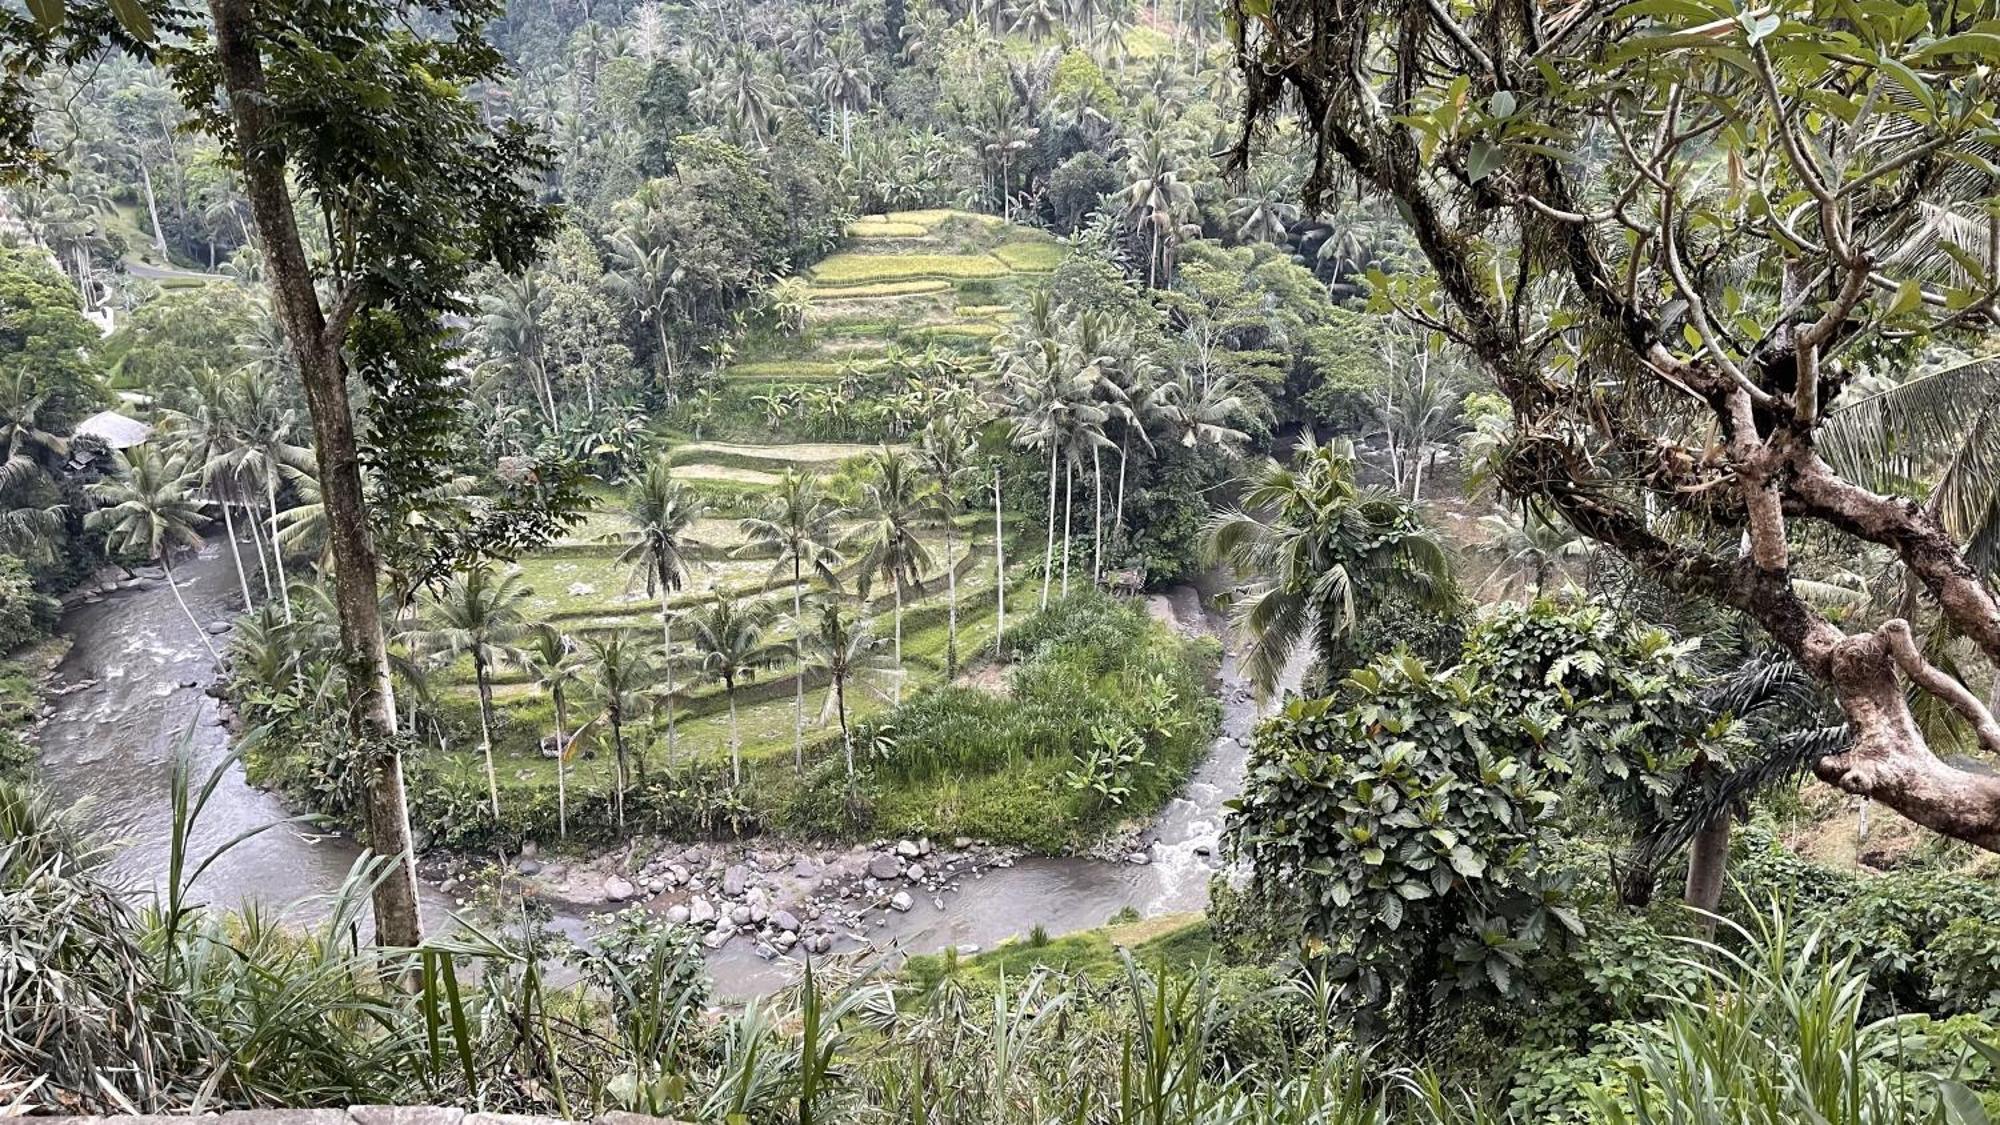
point(104, 1008)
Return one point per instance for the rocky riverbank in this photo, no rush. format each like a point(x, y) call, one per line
point(775, 899)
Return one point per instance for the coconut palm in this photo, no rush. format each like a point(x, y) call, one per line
point(891, 505)
point(623, 670)
point(482, 615)
point(1532, 545)
point(846, 83)
point(661, 512)
point(1323, 553)
point(845, 649)
point(206, 438)
point(28, 453)
point(798, 528)
point(146, 511)
point(552, 658)
point(267, 453)
point(946, 451)
point(728, 637)
point(1266, 210)
point(1156, 196)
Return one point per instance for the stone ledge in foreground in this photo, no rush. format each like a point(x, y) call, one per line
point(364, 1115)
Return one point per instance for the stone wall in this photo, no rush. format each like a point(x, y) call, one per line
point(367, 1115)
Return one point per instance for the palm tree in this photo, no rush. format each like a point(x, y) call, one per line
point(27, 454)
point(1157, 195)
point(844, 648)
point(482, 615)
point(552, 659)
point(846, 83)
point(661, 512)
point(145, 510)
point(1323, 554)
point(946, 450)
point(1532, 545)
point(206, 437)
point(623, 673)
point(267, 454)
point(892, 504)
point(798, 527)
point(729, 639)
point(1266, 209)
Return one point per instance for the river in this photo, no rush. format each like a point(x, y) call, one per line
point(131, 690)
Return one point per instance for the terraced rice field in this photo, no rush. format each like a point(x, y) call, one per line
point(906, 280)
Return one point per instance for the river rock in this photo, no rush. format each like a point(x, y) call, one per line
point(735, 880)
point(785, 939)
point(530, 849)
point(701, 911)
point(805, 867)
point(217, 628)
point(718, 937)
point(786, 921)
point(961, 842)
point(885, 867)
point(740, 915)
point(1138, 859)
point(908, 849)
point(916, 873)
point(529, 865)
point(677, 914)
point(902, 902)
point(677, 875)
point(618, 889)
point(1203, 850)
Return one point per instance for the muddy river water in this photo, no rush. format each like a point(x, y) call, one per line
point(131, 690)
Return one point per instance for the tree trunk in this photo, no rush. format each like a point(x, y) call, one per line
point(1096, 516)
point(257, 545)
point(667, 663)
point(896, 692)
point(167, 565)
point(316, 346)
point(950, 600)
point(1708, 861)
point(153, 210)
point(1069, 510)
point(799, 687)
point(562, 762)
point(1118, 509)
point(840, 707)
point(486, 731)
point(618, 769)
point(1048, 553)
point(277, 547)
point(236, 555)
point(735, 737)
point(1001, 571)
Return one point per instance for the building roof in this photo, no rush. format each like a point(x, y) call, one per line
point(115, 429)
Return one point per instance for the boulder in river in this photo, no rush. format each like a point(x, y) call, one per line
point(618, 889)
point(786, 921)
point(735, 880)
point(701, 911)
point(902, 902)
point(884, 867)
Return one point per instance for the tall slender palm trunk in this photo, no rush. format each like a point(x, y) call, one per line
point(277, 551)
point(1708, 859)
point(667, 662)
point(166, 564)
point(950, 600)
point(1096, 517)
point(896, 692)
point(236, 555)
point(999, 568)
point(618, 781)
point(1069, 510)
point(1048, 553)
point(799, 686)
point(486, 730)
point(257, 548)
point(840, 707)
point(735, 736)
point(1118, 508)
point(562, 762)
